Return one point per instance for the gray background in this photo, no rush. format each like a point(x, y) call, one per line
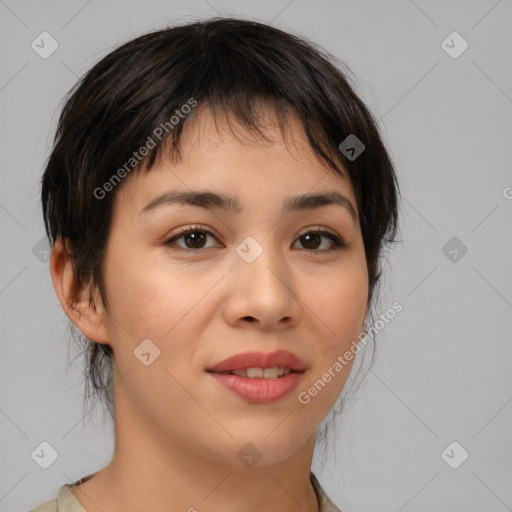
point(442, 372)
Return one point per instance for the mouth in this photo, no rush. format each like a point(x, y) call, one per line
point(274, 372)
point(259, 377)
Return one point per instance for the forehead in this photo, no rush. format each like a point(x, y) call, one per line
point(220, 153)
point(223, 132)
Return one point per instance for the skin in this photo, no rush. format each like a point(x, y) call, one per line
point(178, 431)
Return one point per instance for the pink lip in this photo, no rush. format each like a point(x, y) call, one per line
point(260, 360)
point(259, 390)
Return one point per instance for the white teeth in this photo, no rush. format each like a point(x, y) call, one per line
point(281, 370)
point(255, 373)
point(270, 373)
point(262, 373)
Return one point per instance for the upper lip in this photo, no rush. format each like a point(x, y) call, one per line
point(259, 360)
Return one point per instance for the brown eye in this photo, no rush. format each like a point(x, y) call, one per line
point(312, 240)
point(193, 239)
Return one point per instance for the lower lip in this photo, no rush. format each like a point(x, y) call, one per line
point(259, 391)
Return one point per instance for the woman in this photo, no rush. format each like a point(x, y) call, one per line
point(217, 200)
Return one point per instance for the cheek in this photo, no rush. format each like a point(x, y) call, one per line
point(341, 307)
point(341, 303)
point(150, 300)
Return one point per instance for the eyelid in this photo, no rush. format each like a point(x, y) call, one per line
point(316, 229)
point(192, 227)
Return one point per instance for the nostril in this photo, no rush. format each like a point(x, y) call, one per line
point(249, 318)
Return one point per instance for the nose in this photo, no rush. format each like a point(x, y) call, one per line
point(262, 294)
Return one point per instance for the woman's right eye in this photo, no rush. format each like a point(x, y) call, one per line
point(193, 238)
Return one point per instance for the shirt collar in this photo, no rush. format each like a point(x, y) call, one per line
point(67, 502)
point(326, 505)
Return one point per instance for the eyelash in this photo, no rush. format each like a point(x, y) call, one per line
point(336, 240)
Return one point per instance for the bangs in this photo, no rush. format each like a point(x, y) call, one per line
point(251, 116)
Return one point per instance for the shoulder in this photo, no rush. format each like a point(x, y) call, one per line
point(47, 506)
point(65, 502)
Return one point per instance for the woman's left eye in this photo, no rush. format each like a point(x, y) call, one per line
point(195, 239)
point(312, 240)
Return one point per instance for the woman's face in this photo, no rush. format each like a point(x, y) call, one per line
point(256, 284)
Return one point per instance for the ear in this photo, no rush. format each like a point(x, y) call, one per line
point(92, 323)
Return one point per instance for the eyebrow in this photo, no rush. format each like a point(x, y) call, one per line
point(208, 200)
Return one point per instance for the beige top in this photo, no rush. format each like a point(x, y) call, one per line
point(67, 502)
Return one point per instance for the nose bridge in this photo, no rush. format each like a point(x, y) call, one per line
point(261, 264)
point(262, 281)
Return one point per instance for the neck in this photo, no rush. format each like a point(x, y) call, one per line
point(150, 470)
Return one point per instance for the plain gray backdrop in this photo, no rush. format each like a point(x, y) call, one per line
point(442, 373)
